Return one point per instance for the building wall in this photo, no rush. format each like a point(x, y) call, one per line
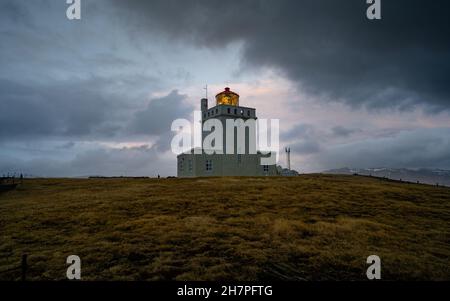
point(195, 165)
point(224, 113)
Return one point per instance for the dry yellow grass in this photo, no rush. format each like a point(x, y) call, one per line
point(313, 227)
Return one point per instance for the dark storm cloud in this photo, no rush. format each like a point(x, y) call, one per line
point(157, 117)
point(15, 12)
point(63, 79)
point(340, 131)
point(68, 108)
point(303, 139)
point(328, 47)
point(306, 147)
point(299, 131)
point(72, 93)
point(123, 161)
point(406, 149)
point(126, 161)
point(67, 145)
point(397, 148)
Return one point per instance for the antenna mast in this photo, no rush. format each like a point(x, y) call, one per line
point(288, 156)
point(206, 90)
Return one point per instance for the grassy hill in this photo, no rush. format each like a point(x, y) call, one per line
point(313, 227)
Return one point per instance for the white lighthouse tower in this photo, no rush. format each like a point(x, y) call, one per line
point(239, 162)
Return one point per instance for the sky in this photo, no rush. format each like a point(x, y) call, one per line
point(97, 96)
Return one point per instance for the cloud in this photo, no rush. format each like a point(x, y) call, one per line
point(299, 131)
point(304, 139)
point(66, 108)
point(316, 148)
point(126, 161)
point(104, 81)
point(157, 117)
point(306, 147)
point(417, 148)
point(67, 145)
point(327, 47)
point(141, 160)
point(340, 131)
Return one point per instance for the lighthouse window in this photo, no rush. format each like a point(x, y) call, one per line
point(235, 111)
point(209, 165)
point(204, 115)
point(181, 164)
point(229, 111)
point(266, 168)
point(217, 111)
point(248, 113)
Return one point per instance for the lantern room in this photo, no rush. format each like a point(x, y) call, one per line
point(227, 97)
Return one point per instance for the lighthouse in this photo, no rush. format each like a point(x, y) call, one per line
point(234, 158)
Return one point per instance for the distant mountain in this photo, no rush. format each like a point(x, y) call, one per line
point(427, 176)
